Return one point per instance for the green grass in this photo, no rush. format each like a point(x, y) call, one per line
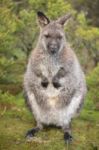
point(15, 120)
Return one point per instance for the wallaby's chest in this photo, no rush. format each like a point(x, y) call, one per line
point(50, 66)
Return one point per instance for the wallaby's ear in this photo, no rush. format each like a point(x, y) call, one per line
point(64, 19)
point(42, 19)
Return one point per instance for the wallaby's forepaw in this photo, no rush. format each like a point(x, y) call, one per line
point(67, 137)
point(44, 82)
point(31, 133)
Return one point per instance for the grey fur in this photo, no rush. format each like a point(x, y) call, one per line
point(54, 105)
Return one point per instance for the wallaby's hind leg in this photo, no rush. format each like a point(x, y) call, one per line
point(67, 137)
point(31, 133)
point(67, 134)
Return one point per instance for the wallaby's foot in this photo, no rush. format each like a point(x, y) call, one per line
point(67, 137)
point(31, 133)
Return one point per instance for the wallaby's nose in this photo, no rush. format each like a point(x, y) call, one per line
point(53, 51)
point(53, 48)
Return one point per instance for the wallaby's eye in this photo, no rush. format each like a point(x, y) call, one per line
point(47, 36)
point(59, 37)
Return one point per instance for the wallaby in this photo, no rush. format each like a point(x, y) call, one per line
point(54, 83)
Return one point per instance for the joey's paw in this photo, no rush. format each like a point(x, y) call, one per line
point(67, 137)
point(31, 133)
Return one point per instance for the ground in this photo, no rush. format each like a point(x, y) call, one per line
point(15, 120)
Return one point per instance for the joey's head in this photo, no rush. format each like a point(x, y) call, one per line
point(52, 36)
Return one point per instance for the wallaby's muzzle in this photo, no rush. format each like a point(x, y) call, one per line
point(52, 49)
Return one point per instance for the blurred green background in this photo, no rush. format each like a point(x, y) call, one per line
point(18, 36)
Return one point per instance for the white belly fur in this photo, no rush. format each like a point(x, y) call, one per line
point(54, 115)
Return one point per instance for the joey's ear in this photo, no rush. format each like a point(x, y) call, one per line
point(64, 19)
point(42, 19)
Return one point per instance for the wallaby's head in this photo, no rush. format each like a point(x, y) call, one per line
point(52, 36)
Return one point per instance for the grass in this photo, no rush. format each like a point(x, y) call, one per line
point(15, 120)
